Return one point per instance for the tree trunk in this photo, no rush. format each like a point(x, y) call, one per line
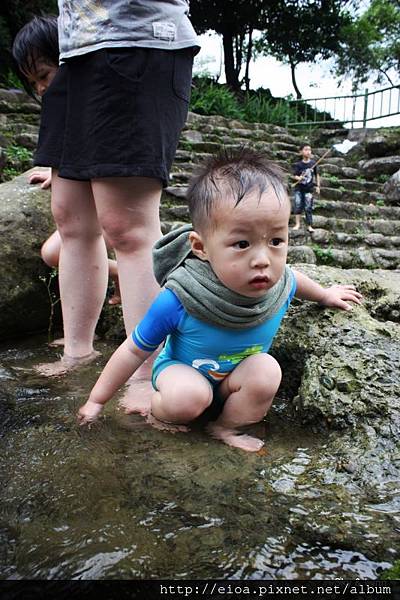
point(248, 59)
point(231, 74)
point(292, 71)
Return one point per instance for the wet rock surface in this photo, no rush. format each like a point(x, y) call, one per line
point(124, 501)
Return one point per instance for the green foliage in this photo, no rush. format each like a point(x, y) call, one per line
point(393, 573)
point(18, 154)
point(259, 109)
point(18, 159)
point(324, 255)
point(296, 31)
point(380, 202)
point(54, 299)
point(370, 44)
point(209, 98)
point(382, 178)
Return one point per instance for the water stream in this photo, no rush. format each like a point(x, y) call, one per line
point(125, 501)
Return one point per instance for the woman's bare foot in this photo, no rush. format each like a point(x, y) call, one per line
point(61, 341)
point(57, 342)
point(137, 397)
point(65, 365)
point(234, 438)
point(296, 228)
point(164, 426)
point(310, 229)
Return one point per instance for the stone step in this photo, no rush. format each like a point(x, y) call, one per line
point(369, 226)
point(337, 239)
point(344, 209)
point(351, 184)
point(346, 259)
point(358, 196)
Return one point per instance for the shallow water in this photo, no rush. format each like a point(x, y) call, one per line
point(125, 501)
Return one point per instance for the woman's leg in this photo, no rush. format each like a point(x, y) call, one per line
point(128, 210)
point(83, 270)
point(249, 391)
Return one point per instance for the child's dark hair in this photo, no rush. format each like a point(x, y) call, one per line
point(37, 39)
point(235, 171)
point(304, 145)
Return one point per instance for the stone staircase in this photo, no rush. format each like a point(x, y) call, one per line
point(355, 224)
point(355, 227)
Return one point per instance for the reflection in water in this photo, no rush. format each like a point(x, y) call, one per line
point(124, 501)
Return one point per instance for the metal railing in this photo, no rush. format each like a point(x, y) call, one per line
point(352, 110)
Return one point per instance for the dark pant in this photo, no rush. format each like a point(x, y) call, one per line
point(303, 202)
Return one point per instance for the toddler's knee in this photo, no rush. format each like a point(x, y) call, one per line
point(265, 376)
point(49, 255)
point(188, 406)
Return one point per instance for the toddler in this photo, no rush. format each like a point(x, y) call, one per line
point(227, 288)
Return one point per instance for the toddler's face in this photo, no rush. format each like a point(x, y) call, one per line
point(41, 77)
point(247, 248)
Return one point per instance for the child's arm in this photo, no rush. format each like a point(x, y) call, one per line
point(334, 296)
point(121, 366)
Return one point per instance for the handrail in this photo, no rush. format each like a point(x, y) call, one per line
point(363, 107)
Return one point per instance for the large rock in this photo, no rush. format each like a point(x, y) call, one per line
point(386, 165)
point(25, 222)
point(391, 189)
point(382, 142)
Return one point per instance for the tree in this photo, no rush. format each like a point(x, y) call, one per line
point(370, 45)
point(235, 21)
point(297, 31)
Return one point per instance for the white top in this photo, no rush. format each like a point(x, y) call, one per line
point(88, 25)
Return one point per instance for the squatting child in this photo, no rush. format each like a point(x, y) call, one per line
point(307, 177)
point(35, 51)
point(227, 287)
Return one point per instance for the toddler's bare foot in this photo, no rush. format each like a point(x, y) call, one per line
point(115, 299)
point(234, 438)
point(296, 228)
point(65, 365)
point(137, 397)
point(164, 426)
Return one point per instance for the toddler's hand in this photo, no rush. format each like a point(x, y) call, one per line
point(89, 412)
point(336, 296)
point(42, 177)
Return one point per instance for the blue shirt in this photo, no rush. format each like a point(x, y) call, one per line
point(215, 351)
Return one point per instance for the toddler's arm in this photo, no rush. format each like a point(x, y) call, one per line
point(334, 296)
point(42, 177)
point(121, 366)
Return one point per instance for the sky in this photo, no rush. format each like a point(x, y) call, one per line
point(313, 80)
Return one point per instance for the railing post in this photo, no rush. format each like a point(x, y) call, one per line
point(365, 108)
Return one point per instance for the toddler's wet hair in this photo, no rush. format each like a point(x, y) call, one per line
point(235, 172)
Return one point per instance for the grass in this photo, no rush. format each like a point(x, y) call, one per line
point(210, 98)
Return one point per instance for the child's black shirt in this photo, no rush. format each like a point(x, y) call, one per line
point(309, 180)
